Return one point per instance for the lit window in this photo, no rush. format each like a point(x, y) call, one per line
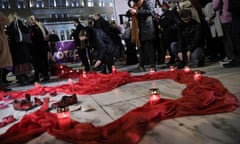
point(113, 17)
point(82, 4)
point(31, 3)
point(52, 3)
point(20, 4)
point(90, 3)
point(40, 4)
point(67, 3)
point(110, 3)
point(5, 4)
point(75, 3)
point(101, 3)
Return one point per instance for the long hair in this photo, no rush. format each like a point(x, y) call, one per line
point(84, 43)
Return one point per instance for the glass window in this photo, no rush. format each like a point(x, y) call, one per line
point(90, 3)
point(75, 3)
point(82, 4)
point(110, 3)
point(101, 3)
point(5, 4)
point(20, 4)
point(31, 4)
point(52, 3)
point(40, 4)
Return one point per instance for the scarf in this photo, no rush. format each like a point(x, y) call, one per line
point(135, 25)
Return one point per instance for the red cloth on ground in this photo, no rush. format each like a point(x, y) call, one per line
point(206, 96)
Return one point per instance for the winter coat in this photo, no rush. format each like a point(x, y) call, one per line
point(146, 25)
point(222, 5)
point(102, 43)
point(5, 54)
point(212, 17)
point(20, 49)
point(190, 36)
point(169, 22)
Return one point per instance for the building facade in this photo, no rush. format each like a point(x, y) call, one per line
point(58, 14)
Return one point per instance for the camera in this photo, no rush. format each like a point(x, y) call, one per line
point(128, 14)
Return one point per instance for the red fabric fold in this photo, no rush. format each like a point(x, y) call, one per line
point(206, 96)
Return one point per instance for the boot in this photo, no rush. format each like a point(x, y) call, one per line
point(103, 69)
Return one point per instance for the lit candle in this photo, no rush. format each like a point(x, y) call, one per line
point(114, 70)
point(70, 81)
point(151, 70)
point(37, 85)
point(172, 68)
point(154, 96)
point(84, 74)
point(197, 75)
point(186, 69)
point(63, 115)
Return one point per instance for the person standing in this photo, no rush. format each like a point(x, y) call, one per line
point(234, 8)
point(142, 20)
point(226, 21)
point(83, 51)
point(20, 43)
point(40, 49)
point(5, 54)
point(169, 22)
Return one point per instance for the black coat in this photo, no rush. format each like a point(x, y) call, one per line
point(190, 36)
point(146, 24)
point(102, 43)
point(20, 50)
point(76, 33)
point(169, 22)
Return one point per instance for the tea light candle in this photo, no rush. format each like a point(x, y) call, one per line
point(187, 69)
point(114, 70)
point(152, 70)
point(37, 85)
point(154, 95)
point(197, 75)
point(84, 74)
point(172, 68)
point(63, 115)
point(70, 81)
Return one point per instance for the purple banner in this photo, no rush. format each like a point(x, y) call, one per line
point(66, 52)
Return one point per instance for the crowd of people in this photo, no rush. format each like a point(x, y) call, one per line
point(189, 31)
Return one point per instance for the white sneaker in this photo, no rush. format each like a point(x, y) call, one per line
point(225, 60)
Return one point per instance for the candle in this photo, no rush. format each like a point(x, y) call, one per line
point(70, 81)
point(37, 85)
point(84, 74)
point(151, 70)
point(186, 69)
point(172, 68)
point(197, 75)
point(154, 96)
point(114, 70)
point(63, 115)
